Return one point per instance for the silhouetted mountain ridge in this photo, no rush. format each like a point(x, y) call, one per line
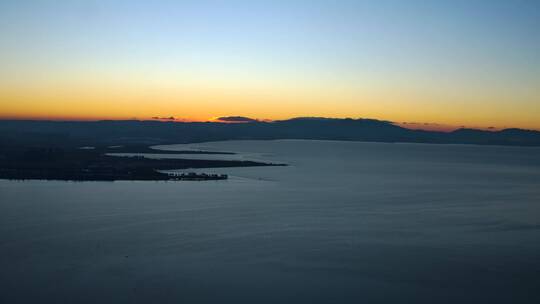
point(160, 132)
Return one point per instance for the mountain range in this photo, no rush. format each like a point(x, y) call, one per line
point(57, 133)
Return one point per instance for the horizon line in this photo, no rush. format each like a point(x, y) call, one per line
point(425, 126)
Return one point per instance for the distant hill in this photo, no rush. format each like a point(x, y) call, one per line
point(157, 132)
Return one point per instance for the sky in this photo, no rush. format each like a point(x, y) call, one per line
point(456, 63)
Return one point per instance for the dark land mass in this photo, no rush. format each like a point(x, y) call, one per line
point(109, 133)
point(92, 165)
point(53, 149)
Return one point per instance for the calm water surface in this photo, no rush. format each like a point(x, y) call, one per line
point(346, 222)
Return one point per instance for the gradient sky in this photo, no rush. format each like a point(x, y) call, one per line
point(473, 63)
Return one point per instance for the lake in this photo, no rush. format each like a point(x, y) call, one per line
point(345, 222)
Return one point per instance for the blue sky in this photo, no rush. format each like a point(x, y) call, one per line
point(442, 56)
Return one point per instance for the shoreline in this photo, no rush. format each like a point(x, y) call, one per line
point(75, 164)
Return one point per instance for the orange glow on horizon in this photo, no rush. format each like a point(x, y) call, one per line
point(215, 119)
point(206, 102)
point(196, 62)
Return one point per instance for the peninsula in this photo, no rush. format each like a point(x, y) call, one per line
point(93, 164)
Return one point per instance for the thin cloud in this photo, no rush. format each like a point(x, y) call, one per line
point(235, 119)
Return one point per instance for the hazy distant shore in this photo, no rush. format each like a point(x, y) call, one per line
point(80, 150)
point(134, 132)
